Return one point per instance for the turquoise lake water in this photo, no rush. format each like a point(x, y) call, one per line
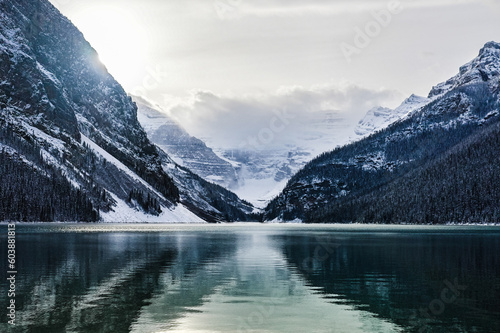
point(254, 278)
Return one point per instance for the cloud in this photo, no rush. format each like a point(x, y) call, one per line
point(240, 8)
point(291, 113)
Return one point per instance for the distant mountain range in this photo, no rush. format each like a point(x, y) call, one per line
point(71, 147)
point(440, 163)
point(257, 175)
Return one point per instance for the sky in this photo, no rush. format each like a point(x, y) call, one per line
point(209, 61)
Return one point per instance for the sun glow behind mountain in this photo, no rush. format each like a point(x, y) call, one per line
point(118, 37)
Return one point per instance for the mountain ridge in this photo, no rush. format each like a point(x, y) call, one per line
point(186, 150)
point(380, 117)
point(348, 183)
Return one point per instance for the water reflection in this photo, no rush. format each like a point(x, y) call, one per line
point(427, 283)
point(253, 290)
point(253, 280)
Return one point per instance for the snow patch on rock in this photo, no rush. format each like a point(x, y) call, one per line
point(123, 213)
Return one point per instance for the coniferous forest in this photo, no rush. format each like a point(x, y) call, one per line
point(35, 191)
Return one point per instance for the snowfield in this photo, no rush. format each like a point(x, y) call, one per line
point(123, 213)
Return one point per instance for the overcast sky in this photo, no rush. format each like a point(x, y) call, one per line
point(174, 51)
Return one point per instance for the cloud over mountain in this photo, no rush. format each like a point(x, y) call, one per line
point(229, 121)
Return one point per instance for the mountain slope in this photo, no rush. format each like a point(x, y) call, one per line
point(380, 117)
point(468, 190)
point(210, 201)
point(437, 165)
point(185, 149)
point(72, 146)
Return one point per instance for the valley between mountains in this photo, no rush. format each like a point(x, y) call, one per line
point(74, 146)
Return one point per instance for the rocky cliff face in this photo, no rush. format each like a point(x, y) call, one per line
point(186, 150)
point(484, 68)
point(439, 164)
point(67, 119)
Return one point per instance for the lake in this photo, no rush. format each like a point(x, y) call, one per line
point(253, 278)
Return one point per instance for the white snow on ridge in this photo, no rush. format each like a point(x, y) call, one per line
point(375, 118)
point(278, 221)
point(123, 213)
point(8, 149)
point(412, 104)
point(48, 74)
point(484, 68)
point(50, 159)
point(110, 158)
point(215, 178)
point(259, 193)
point(56, 143)
point(380, 117)
point(48, 155)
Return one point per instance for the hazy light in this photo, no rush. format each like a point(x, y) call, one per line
point(164, 50)
point(120, 40)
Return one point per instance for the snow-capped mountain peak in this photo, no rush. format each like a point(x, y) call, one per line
point(380, 117)
point(484, 68)
point(374, 118)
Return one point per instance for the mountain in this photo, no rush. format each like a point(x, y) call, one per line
point(193, 165)
point(256, 172)
point(439, 164)
point(263, 168)
point(71, 146)
point(184, 149)
point(380, 117)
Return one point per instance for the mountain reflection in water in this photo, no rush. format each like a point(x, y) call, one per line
point(255, 278)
